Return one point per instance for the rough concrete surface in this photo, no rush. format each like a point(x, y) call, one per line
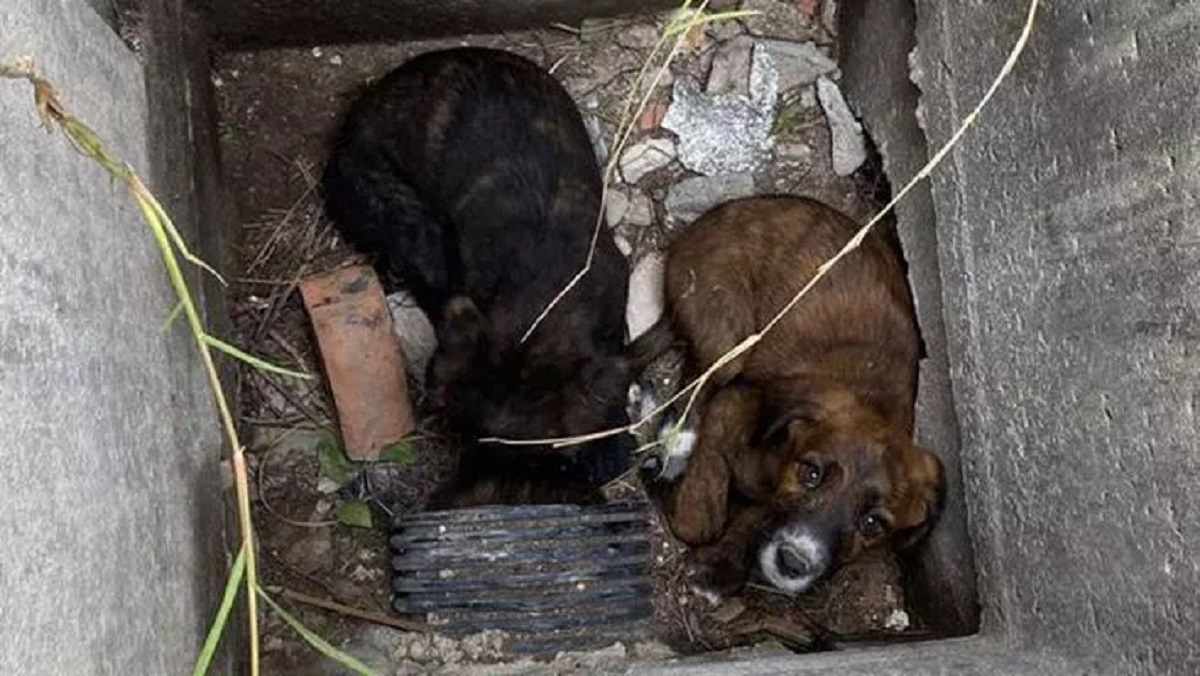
point(1068, 242)
point(955, 657)
point(876, 79)
point(110, 484)
point(256, 23)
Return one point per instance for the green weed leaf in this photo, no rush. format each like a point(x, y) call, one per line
point(355, 514)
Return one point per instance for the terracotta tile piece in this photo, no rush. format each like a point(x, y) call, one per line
point(363, 361)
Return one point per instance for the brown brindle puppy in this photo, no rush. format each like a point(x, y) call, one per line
point(804, 457)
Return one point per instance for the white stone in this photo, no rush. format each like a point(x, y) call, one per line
point(591, 121)
point(829, 10)
point(645, 156)
point(418, 339)
point(645, 304)
point(849, 149)
point(640, 211)
point(796, 152)
point(797, 63)
point(897, 620)
point(623, 244)
point(726, 133)
point(808, 97)
point(638, 36)
point(616, 204)
point(730, 69)
point(691, 197)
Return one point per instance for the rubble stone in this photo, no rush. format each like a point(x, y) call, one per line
point(645, 156)
point(848, 147)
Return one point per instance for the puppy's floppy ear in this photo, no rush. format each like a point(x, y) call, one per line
point(925, 500)
point(773, 423)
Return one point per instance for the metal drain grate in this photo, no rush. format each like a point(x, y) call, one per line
point(556, 577)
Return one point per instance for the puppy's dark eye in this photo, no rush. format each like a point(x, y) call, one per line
point(870, 525)
point(811, 474)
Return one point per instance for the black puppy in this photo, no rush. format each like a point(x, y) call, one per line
point(470, 177)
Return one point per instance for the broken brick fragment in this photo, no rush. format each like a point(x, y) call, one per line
point(363, 361)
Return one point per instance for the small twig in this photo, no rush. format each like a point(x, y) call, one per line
point(263, 282)
point(279, 298)
point(297, 357)
point(351, 611)
point(286, 422)
point(565, 28)
point(291, 399)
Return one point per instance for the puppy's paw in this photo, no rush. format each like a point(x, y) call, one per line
point(666, 463)
point(678, 445)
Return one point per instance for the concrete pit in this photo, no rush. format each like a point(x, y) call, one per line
point(1051, 256)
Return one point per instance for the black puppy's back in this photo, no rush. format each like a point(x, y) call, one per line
point(469, 173)
point(442, 165)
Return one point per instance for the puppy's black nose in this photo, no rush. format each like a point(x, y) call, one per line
point(792, 564)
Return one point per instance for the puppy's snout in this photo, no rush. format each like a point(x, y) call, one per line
point(792, 562)
point(795, 558)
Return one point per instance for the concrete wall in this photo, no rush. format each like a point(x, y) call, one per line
point(105, 9)
point(1067, 244)
point(110, 499)
point(256, 23)
point(1068, 234)
point(941, 578)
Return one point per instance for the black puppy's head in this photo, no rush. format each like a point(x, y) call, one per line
point(484, 392)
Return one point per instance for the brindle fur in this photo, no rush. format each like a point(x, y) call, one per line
point(469, 176)
point(834, 383)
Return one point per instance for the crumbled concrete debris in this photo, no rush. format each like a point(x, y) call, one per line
point(414, 649)
point(847, 145)
point(730, 69)
point(646, 156)
point(616, 203)
point(829, 13)
point(808, 97)
point(691, 197)
point(623, 244)
point(640, 211)
point(628, 207)
point(638, 36)
point(321, 509)
point(645, 304)
point(313, 553)
point(798, 64)
point(327, 486)
point(797, 152)
point(726, 133)
point(778, 19)
point(897, 620)
point(723, 30)
point(418, 339)
point(483, 654)
point(590, 107)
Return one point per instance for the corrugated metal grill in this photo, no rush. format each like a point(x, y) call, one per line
point(556, 577)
